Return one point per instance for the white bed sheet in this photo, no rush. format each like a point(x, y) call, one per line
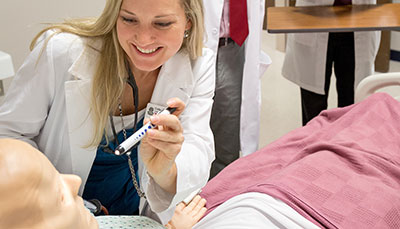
point(254, 210)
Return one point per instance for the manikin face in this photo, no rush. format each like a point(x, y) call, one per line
point(37, 196)
point(151, 31)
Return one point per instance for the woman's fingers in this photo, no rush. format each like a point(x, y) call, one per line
point(178, 104)
point(169, 128)
point(170, 151)
point(167, 121)
point(170, 137)
point(165, 136)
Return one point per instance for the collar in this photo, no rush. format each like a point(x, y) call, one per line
point(84, 67)
point(178, 70)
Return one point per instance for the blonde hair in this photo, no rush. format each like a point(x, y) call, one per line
point(194, 13)
point(111, 72)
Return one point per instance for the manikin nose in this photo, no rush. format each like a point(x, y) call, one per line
point(73, 182)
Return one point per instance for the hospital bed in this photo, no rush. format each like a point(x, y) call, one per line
point(341, 170)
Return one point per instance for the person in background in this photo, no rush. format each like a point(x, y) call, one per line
point(310, 57)
point(87, 85)
point(236, 39)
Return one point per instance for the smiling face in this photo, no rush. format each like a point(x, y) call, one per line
point(34, 195)
point(151, 31)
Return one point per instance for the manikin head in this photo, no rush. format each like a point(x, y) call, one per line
point(34, 195)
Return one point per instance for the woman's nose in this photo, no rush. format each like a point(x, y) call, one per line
point(144, 36)
point(73, 182)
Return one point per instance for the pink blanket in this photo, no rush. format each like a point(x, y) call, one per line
point(342, 170)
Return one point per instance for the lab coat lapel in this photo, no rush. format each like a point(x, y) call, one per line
point(80, 124)
point(175, 80)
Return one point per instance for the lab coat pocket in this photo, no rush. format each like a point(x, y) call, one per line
point(265, 62)
point(366, 45)
point(307, 39)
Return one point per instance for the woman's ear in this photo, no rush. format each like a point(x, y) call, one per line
point(188, 24)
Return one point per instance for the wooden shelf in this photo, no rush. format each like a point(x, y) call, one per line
point(333, 18)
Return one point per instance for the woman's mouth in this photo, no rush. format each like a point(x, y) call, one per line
point(146, 51)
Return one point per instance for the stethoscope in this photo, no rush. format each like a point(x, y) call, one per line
point(132, 82)
point(95, 207)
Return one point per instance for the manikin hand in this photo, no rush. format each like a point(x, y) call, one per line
point(186, 217)
point(161, 145)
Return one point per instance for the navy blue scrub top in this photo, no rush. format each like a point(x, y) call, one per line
point(110, 180)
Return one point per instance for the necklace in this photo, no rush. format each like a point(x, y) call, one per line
point(131, 168)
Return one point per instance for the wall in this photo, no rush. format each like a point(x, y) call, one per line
point(20, 20)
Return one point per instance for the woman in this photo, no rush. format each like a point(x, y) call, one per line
point(74, 99)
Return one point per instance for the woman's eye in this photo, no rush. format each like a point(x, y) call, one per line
point(163, 24)
point(128, 20)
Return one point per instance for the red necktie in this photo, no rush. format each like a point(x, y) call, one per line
point(238, 25)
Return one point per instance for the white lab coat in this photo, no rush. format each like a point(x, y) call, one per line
point(48, 106)
point(256, 62)
point(305, 58)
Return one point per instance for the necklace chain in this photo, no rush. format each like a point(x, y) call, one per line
point(131, 168)
point(122, 120)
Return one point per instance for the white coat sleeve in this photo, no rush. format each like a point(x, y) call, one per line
point(194, 160)
point(28, 99)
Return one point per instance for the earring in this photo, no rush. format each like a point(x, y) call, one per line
point(186, 34)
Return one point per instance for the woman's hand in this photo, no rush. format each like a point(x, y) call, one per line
point(161, 145)
point(186, 217)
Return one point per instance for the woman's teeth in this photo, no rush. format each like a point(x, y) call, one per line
point(147, 51)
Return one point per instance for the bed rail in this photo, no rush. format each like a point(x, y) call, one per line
point(372, 83)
